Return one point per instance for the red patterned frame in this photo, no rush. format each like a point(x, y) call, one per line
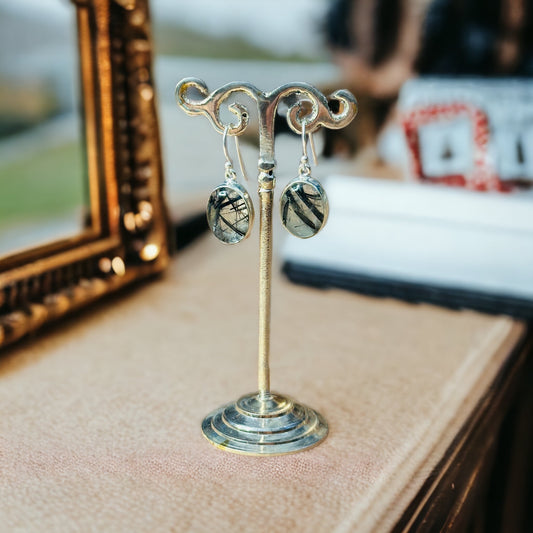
point(483, 176)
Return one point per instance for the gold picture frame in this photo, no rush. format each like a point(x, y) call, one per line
point(127, 237)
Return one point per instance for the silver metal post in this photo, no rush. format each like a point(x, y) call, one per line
point(266, 195)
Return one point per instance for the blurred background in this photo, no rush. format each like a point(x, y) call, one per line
point(43, 181)
point(371, 47)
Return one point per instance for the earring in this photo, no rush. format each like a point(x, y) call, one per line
point(304, 204)
point(230, 211)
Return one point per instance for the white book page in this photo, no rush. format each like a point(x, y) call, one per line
point(425, 234)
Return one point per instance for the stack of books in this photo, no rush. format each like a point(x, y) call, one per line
point(424, 243)
point(459, 230)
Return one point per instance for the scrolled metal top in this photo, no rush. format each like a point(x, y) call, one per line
point(320, 114)
point(211, 103)
point(293, 94)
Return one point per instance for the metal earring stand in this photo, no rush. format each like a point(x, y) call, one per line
point(266, 423)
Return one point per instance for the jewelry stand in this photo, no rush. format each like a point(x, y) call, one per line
point(266, 423)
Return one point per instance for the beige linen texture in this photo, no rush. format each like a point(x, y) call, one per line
point(100, 427)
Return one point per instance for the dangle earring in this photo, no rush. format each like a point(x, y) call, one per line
point(304, 204)
point(230, 211)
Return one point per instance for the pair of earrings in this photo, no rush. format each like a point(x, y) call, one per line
point(304, 205)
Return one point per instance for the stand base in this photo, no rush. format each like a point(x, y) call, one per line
point(268, 424)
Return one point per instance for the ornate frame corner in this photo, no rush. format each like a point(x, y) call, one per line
point(128, 236)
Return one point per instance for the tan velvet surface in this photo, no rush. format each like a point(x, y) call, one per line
point(100, 426)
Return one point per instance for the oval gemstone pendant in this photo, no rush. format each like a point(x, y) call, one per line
point(304, 207)
point(230, 212)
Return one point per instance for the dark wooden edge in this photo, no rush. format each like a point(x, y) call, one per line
point(125, 179)
point(448, 497)
point(383, 287)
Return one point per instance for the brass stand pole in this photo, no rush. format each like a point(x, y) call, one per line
point(266, 194)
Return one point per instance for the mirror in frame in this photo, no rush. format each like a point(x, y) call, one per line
point(43, 177)
point(125, 238)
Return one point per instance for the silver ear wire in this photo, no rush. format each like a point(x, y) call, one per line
point(313, 151)
point(238, 149)
point(239, 157)
point(230, 172)
point(304, 141)
point(305, 137)
point(225, 146)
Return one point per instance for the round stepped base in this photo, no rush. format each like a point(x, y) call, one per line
point(268, 424)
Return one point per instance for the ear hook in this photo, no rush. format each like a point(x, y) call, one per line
point(225, 146)
point(312, 143)
point(239, 157)
point(226, 153)
point(304, 140)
